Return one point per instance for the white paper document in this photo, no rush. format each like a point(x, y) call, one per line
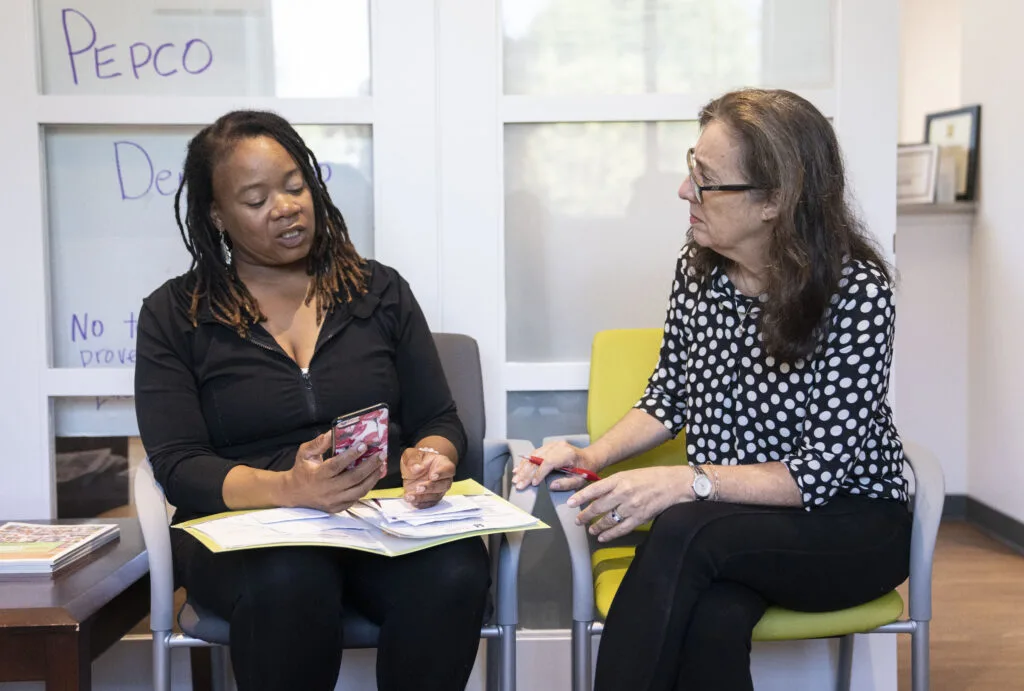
point(254, 530)
point(480, 512)
point(383, 525)
point(449, 508)
point(268, 516)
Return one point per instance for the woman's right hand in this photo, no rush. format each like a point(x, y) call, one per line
point(328, 485)
point(557, 454)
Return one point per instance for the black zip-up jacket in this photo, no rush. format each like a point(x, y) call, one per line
point(207, 399)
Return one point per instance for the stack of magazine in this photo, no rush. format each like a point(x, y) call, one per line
point(37, 548)
point(382, 523)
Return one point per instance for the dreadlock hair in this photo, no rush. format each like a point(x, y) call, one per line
point(338, 272)
point(789, 151)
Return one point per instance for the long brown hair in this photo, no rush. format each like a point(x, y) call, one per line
point(789, 151)
point(333, 262)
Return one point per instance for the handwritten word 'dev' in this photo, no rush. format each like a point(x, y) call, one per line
point(138, 175)
point(134, 164)
point(194, 57)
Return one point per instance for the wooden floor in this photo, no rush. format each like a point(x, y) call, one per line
point(978, 610)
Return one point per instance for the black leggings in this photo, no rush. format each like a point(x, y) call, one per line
point(683, 616)
point(285, 604)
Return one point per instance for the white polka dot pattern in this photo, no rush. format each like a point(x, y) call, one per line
point(825, 417)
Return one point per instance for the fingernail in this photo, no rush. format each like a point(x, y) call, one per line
point(602, 538)
point(409, 498)
point(571, 503)
point(421, 489)
point(435, 476)
point(578, 521)
point(593, 531)
point(416, 468)
point(361, 448)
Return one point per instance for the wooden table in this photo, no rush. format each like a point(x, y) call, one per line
point(51, 629)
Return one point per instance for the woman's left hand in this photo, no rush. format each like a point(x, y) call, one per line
point(426, 476)
point(633, 497)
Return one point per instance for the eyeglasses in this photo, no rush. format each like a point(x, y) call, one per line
point(699, 189)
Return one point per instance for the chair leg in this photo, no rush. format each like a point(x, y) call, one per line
point(920, 657)
point(161, 661)
point(581, 662)
point(844, 670)
point(219, 662)
point(507, 682)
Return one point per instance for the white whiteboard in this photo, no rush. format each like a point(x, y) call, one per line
point(95, 416)
point(113, 238)
point(288, 48)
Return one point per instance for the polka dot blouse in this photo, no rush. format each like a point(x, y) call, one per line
point(825, 417)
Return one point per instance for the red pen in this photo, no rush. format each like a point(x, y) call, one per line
point(568, 470)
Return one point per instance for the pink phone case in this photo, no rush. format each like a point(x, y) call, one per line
point(367, 426)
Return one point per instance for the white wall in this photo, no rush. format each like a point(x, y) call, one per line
point(992, 55)
point(930, 375)
point(930, 57)
point(932, 256)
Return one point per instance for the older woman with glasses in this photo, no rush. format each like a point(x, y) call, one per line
point(775, 361)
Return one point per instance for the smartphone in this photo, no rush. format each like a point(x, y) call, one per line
point(367, 426)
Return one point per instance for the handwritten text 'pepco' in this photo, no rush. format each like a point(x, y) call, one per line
point(110, 62)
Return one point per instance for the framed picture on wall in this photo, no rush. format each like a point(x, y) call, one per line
point(917, 167)
point(956, 134)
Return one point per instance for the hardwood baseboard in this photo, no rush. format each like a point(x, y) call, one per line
point(955, 507)
point(1006, 529)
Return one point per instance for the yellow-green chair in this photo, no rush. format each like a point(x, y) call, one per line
point(620, 364)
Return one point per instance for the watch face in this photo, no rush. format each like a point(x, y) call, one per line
point(702, 486)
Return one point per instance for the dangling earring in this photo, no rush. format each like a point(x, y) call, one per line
point(225, 250)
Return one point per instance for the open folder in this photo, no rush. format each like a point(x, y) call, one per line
point(382, 523)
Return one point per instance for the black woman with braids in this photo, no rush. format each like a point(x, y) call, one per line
point(243, 361)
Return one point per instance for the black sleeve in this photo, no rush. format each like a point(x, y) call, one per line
point(171, 422)
point(427, 406)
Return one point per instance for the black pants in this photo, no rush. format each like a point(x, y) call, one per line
point(285, 604)
point(683, 616)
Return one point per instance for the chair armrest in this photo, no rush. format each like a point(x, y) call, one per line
point(511, 544)
point(152, 510)
point(579, 543)
point(574, 439)
point(929, 496)
point(579, 556)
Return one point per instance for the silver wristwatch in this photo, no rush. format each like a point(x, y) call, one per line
point(702, 484)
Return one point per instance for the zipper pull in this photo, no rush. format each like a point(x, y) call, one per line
point(306, 379)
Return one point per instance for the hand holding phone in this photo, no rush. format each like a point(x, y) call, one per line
point(319, 481)
point(368, 426)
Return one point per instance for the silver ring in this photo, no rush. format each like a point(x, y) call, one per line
point(614, 515)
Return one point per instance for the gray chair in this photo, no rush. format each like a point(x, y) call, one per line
point(779, 624)
point(487, 461)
